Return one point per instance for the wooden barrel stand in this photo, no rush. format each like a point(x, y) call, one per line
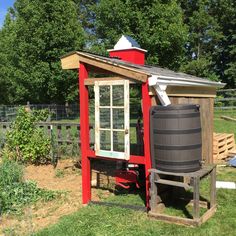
point(194, 184)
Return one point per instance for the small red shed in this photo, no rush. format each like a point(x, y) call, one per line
point(124, 68)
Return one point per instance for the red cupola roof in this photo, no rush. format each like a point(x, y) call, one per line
point(127, 49)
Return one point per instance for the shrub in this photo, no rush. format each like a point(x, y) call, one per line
point(15, 192)
point(10, 172)
point(25, 141)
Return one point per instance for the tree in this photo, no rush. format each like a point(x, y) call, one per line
point(204, 36)
point(225, 59)
point(157, 25)
point(7, 54)
point(43, 31)
point(3, 83)
point(211, 50)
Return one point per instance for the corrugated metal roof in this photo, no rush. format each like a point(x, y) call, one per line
point(162, 73)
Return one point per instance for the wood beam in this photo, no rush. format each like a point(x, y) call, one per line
point(118, 69)
point(70, 62)
point(91, 81)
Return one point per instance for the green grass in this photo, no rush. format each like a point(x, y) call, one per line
point(224, 126)
point(226, 173)
point(231, 113)
point(102, 220)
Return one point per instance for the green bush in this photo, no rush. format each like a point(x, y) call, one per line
point(10, 172)
point(15, 192)
point(25, 141)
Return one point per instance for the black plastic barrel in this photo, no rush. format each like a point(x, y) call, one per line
point(176, 142)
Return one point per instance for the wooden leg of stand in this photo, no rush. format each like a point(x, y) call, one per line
point(153, 192)
point(196, 208)
point(213, 188)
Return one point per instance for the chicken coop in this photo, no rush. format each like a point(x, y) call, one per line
point(112, 78)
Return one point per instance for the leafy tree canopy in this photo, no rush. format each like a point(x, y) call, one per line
point(212, 33)
point(224, 12)
point(156, 25)
point(37, 34)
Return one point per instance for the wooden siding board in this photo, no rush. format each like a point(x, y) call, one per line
point(190, 91)
point(211, 125)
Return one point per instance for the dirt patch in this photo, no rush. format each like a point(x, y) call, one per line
point(66, 177)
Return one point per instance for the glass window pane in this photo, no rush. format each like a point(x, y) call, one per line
point(118, 118)
point(105, 118)
point(118, 141)
point(105, 140)
point(118, 95)
point(104, 92)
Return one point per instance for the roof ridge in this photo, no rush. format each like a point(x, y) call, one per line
point(93, 53)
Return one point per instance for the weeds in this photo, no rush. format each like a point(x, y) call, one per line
point(59, 173)
point(15, 192)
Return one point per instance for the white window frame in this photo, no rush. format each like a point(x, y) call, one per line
point(105, 153)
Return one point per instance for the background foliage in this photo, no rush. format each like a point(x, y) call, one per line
point(197, 37)
point(25, 142)
point(35, 34)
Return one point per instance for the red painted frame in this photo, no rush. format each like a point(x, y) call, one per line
point(84, 134)
point(87, 153)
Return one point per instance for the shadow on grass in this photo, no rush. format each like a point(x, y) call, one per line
point(131, 198)
point(180, 202)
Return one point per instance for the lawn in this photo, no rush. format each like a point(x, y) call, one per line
point(229, 112)
point(103, 220)
point(224, 126)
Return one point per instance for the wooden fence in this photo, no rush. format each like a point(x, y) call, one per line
point(65, 137)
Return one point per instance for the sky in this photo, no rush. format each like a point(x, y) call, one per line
point(4, 5)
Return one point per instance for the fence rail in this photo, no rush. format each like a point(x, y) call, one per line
point(226, 90)
point(232, 108)
point(56, 112)
point(65, 137)
point(225, 103)
point(60, 112)
point(225, 99)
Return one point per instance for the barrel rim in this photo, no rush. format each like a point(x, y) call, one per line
point(176, 107)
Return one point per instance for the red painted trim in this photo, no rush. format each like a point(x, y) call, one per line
point(137, 159)
point(84, 134)
point(91, 153)
point(133, 158)
point(146, 102)
point(133, 55)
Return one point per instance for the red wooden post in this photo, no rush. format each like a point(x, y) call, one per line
point(84, 135)
point(146, 103)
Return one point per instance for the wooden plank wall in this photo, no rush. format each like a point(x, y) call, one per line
point(207, 113)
